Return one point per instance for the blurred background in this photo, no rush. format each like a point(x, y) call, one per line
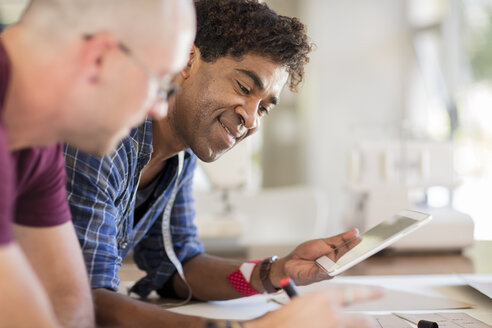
point(395, 112)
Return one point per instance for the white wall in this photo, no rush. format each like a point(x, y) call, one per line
point(10, 10)
point(354, 87)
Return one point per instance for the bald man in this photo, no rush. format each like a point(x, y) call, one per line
point(83, 72)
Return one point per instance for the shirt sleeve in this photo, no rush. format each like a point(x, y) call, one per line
point(42, 200)
point(150, 255)
point(6, 190)
point(91, 187)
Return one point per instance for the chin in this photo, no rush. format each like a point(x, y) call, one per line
point(100, 148)
point(209, 155)
point(108, 147)
point(104, 150)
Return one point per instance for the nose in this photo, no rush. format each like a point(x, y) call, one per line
point(249, 115)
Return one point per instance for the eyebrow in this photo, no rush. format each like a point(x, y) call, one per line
point(257, 81)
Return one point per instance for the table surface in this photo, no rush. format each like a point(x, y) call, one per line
point(401, 268)
point(475, 259)
point(404, 293)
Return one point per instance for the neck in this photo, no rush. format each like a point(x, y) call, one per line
point(165, 141)
point(27, 120)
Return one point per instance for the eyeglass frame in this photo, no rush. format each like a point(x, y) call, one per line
point(166, 88)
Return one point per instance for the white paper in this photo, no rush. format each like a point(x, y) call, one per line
point(391, 321)
point(393, 299)
point(482, 283)
point(445, 320)
point(255, 306)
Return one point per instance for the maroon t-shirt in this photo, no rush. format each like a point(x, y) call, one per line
point(32, 180)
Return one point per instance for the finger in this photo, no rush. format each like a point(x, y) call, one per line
point(343, 249)
point(354, 242)
point(340, 249)
point(335, 299)
point(357, 321)
point(346, 236)
point(328, 246)
point(353, 294)
point(343, 238)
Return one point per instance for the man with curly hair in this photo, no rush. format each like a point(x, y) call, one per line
point(140, 198)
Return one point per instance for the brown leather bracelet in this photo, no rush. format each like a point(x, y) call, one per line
point(223, 324)
point(265, 267)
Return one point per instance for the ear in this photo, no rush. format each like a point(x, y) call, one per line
point(192, 63)
point(94, 51)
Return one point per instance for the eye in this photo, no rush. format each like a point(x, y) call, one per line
point(263, 110)
point(243, 88)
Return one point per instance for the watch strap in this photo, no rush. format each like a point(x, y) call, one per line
point(265, 268)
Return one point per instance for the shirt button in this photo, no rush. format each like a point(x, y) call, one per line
point(124, 244)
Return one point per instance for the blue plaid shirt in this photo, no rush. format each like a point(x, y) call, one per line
point(101, 194)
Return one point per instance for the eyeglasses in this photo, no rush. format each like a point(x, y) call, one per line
point(164, 87)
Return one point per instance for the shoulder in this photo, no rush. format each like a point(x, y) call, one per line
point(37, 162)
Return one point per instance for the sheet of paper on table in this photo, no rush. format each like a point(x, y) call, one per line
point(252, 307)
point(481, 282)
point(444, 320)
point(396, 300)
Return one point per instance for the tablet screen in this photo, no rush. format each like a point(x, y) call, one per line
point(376, 239)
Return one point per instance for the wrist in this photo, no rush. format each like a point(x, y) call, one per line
point(265, 271)
point(277, 271)
point(223, 324)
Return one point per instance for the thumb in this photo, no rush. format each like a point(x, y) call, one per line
point(354, 294)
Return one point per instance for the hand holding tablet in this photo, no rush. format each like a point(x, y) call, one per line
point(372, 241)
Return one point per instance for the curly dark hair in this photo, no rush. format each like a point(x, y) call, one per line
point(238, 27)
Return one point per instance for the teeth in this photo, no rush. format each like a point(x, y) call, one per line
point(225, 128)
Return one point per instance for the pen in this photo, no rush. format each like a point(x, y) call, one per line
point(421, 323)
point(288, 285)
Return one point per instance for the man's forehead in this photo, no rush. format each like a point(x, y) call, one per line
point(253, 76)
point(260, 69)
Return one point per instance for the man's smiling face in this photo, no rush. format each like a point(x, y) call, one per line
point(222, 102)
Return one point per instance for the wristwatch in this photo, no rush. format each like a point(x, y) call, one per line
point(265, 267)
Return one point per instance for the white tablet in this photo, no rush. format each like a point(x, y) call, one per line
point(374, 240)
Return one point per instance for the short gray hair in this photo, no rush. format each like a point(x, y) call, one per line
point(129, 20)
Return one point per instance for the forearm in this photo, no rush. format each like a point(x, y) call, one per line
point(117, 310)
point(54, 254)
point(23, 302)
point(207, 276)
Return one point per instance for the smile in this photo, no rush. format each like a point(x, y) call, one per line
point(228, 136)
point(227, 130)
